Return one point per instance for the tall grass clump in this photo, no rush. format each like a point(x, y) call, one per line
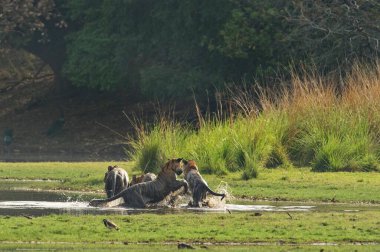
point(260, 143)
point(308, 121)
point(331, 129)
point(212, 147)
point(240, 143)
point(152, 147)
point(219, 146)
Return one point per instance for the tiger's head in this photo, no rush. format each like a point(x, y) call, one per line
point(188, 166)
point(110, 168)
point(137, 179)
point(173, 165)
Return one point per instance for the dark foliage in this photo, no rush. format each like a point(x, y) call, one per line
point(166, 49)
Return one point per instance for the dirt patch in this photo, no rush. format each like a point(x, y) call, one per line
point(94, 128)
point(81, 137)
point(95, 125)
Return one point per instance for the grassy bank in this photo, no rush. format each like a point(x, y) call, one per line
point(84, 176)
point(300, 228)
point(281, 184)
point(307, 122)
point(172, 247)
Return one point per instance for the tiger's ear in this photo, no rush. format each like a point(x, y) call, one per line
point(185, 161)
point(179, 159)
point(110, 168)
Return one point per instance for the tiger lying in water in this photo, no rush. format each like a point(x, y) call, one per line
point(140, 195)
point(198, 186)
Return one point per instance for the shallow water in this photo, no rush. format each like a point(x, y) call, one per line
point(32, 195)
point(37, 203)
point(47, 207)
point(20, 202)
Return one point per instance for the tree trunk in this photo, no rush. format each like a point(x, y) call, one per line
point(52, 53)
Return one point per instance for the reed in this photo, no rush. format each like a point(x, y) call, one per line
point(309, 121)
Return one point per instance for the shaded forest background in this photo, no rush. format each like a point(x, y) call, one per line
point(94, 59)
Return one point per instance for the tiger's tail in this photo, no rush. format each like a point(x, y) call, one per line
point(103, 202)
point(223, 195)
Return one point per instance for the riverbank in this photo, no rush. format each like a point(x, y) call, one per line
point(292, 184)
point(333, 225)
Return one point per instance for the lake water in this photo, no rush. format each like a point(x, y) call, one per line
point(36, 203)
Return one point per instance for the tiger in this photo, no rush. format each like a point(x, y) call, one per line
point(143, 194)
point(115, 180)
point(198, 186)
point(143, 178)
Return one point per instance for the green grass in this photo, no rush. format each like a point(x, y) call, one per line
point(218, 146)
point(303, 185)
point(163, 142)
point(306, 122)
point(332, 139)
point(173, 247)
point(72, 176)
point(62, 232)
point(281, 184)
point(302, 228)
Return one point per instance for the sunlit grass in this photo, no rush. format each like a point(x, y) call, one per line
point(311, 121)
point(164, 141)
point(299, 227)
point(331, 129)
point(301, 184)
point(70, 176)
